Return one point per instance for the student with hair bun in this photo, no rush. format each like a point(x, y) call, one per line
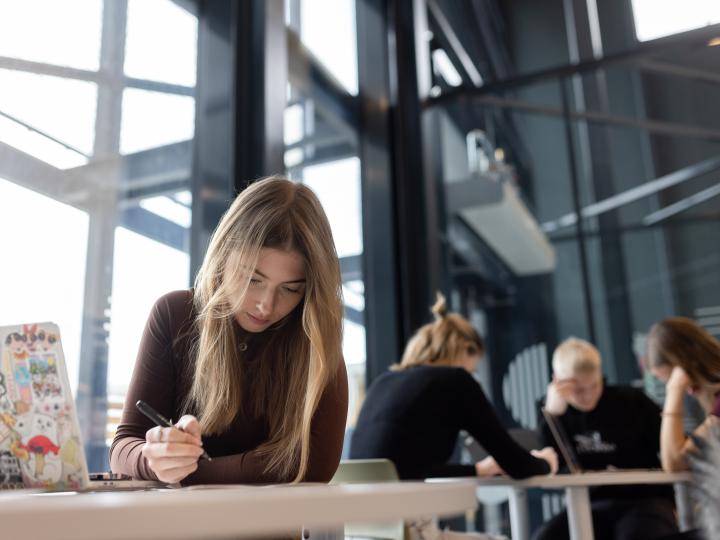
point(249, 362)
point(413, 413)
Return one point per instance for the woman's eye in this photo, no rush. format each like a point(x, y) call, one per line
point(291, 290)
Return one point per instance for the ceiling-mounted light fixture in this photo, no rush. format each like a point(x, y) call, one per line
point(714, 42)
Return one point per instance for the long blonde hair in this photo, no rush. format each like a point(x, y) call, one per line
point(294, 367)
point(441, 342)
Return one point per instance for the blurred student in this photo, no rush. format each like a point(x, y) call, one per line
point(413, 414)
point(682, 354)
point(607, 427)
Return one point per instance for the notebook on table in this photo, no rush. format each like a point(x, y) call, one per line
point(40, 440)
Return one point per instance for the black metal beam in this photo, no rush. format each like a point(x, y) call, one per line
point(214, 143)
point(98, 77)
point(155, 227)
point(419, 270)
point(692, 39)
point(379, 259)
point(453, 46)
point(591, 92)
point(351, 268)
point(353, 315)
point(154, 167)
point(674, 222)
point(311, 80)
point(490, 25)
point(683, 72)
point(655, 127)
point(261, 67)
point(580, 226)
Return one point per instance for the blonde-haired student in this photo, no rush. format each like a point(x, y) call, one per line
point(249, 362)
point(577, 377)
point(607, 427)
point(413, 413)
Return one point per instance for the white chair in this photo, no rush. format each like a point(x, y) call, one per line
point(360, 471)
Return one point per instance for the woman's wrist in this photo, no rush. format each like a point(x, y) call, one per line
point(674, 399)
point(554, 403)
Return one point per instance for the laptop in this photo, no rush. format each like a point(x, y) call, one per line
point(563, 442)
point(40, 440)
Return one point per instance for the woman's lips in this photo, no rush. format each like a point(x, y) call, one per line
point(257, 320)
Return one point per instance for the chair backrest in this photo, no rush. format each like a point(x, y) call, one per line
point(359, 471)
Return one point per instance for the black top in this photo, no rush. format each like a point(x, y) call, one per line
point(623, 431)
point(413, 418)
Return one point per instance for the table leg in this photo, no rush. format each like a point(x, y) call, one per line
point(519, 522)
point(683, 502)
point(579, 513)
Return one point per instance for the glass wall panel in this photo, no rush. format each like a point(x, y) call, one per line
point(169, 56)
point(321, 148)
point(51, 32)
point(658, 18)
point(619, 204)
point(579, 182)
point(63, 109)
point(94, 181)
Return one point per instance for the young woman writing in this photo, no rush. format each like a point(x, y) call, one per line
point(250, 360)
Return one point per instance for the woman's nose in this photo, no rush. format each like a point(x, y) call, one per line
point(265, 303)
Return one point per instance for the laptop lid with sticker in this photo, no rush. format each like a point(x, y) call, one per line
point(40, 441)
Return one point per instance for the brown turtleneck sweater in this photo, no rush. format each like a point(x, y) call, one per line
point(162, 377)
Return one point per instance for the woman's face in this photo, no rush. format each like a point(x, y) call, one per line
point(469, 359)
point(276, 287)
point(586, 390)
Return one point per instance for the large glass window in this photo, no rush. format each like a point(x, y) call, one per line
point(595, 223)
point(39, 31)
point(95, 164)
point(321, 148)
point(585, 204)
point(658, 18)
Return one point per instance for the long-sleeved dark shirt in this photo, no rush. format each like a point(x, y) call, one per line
point(163, 376)
point(622, 431)
point(413, 417)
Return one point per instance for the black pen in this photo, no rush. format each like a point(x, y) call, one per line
point(160, 420)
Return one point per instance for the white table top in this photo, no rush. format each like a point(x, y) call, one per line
point(238, 511)
point(594, 478)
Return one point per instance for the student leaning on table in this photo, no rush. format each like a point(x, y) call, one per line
point(413, 414)
point(250, 360)
point(608, 426)
point(686, 357)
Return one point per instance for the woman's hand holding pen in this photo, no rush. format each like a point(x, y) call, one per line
point(173, 452)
